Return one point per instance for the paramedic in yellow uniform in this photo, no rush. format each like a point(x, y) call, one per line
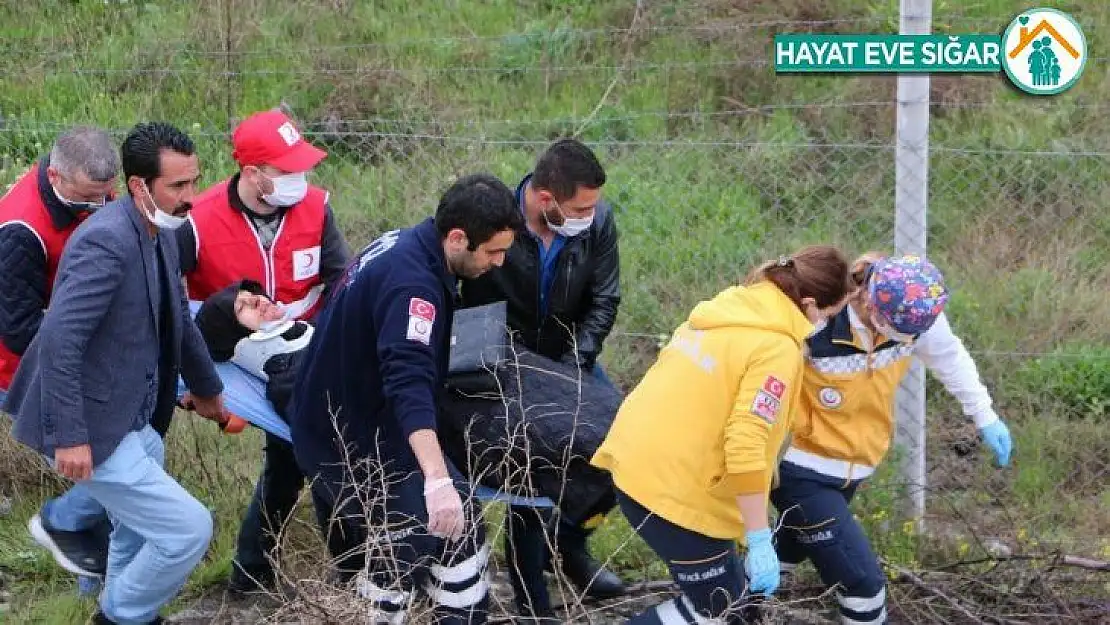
point(845, 420)
point(694, 446)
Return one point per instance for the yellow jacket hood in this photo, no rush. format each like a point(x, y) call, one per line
point(761, 306)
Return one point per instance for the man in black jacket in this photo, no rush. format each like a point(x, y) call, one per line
point(561, 282)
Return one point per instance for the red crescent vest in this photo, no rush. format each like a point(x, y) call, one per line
point(229, 250)
point(23, 205)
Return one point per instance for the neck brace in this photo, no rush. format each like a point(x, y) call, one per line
point(252, 352)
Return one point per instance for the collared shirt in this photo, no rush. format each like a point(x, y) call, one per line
point(549, 255)
point(160, 298)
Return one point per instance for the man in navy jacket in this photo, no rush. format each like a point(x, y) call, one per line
point(364, 407)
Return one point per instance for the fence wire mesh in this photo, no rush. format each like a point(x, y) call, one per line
point(714, 162)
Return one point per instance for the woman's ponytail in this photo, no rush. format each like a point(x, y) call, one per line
point(816, 271)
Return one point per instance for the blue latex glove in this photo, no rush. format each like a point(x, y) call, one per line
point(997, 437)
point(761, 563)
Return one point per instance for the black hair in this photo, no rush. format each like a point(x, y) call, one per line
point(565, 166)
point(481, 206)
point(141, 152)
point(216, 320)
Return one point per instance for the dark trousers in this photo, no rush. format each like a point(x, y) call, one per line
point(380, 525)
point(526, 552)
point(817, 524)
point(708, 570)
point(531, 539)
point(274, 500)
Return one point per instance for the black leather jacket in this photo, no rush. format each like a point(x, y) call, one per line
point(585, 294)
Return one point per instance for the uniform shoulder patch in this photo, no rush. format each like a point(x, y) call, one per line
point(766, 406)
point(422, 314)
point(774, 386)
point(422, 308)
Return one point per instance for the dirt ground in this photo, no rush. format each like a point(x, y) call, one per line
point(219, 607)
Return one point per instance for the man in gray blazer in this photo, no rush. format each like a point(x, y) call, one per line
point(105, 364)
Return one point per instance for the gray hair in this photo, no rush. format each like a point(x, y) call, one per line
point(88, 150)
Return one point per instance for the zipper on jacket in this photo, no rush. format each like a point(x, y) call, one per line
point(570, 276)
point(537, 257)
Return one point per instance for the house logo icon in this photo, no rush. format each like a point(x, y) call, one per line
point(1044, 51)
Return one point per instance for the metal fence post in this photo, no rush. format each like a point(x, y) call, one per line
point(911, 199)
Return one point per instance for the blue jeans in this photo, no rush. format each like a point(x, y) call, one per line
point(77, 511)
point(74, 510)
point(159, 531)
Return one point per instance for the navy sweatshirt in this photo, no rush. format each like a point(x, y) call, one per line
point(378, 357)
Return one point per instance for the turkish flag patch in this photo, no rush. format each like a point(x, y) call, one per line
point(422, 314)
point(774, 386)
point(423, 309)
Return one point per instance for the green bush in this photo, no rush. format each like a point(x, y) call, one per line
point(1074, 377)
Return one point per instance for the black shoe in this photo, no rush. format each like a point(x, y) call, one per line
point(241, 584)
point(590, 576)
point(80, 553)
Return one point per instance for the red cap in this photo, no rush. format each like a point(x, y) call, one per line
point(270, 138)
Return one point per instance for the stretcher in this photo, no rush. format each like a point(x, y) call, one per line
point(245, 398)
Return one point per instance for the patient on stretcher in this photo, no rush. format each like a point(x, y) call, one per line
point(532, 438)
point(242, 325)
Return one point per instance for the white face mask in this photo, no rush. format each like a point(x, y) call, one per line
point(78, 206)
point(160, 219)
point(289, 189)
point(890, 332)
point(570, 226)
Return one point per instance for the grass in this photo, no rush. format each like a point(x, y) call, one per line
point(714, 163)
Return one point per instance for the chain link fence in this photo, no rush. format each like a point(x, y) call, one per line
point(714, 164)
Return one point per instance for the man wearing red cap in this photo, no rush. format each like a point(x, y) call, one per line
point(267, 224)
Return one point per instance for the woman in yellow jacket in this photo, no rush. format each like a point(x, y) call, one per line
point(693, 448)
point(845, 419)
